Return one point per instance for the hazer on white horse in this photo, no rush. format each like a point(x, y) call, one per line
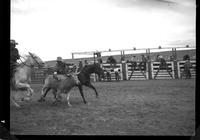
point(21, 78)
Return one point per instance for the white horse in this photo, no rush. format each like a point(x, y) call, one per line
point(22, 76)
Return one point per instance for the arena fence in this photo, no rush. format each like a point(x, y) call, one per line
point(180, 66)
point(113, 69)
point(162, 74)
point(139, 73)
point(38, 75)
point(175, 70)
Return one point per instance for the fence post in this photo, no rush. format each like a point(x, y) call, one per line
point(149, 69)
point(124, 70)
point(149, 63)
point(174, 54)
point(175, 69)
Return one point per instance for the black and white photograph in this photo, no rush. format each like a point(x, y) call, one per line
point(102, 67)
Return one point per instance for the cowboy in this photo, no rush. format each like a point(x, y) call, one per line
point(112, 61)
point(62, 68)
point(86, 62)
point(163, 65)
point(187, 67)
point(143, 63)
point(133, 62)
point(80, 66)
point(186, 57)
point(14, 56)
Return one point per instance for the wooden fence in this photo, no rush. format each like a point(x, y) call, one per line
point(126, 72)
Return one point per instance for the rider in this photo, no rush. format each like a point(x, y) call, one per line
point(14, 56)
point(62, 68)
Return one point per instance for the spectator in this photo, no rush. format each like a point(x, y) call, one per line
point(112, 61)
point(86, 62)
point(163, 65)
point(99, 60)
point(186, 57)
point(187, 67)
point(142, 64)
point(122, 58)
point(133, 62)
point(80, 66)
point(157, 58)
point(194, 57)
point(171, 58)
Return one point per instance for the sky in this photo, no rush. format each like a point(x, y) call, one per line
point(52, 28)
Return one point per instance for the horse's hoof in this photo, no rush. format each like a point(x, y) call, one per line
point(18, 106)
point(69, 105)
point(25, 99)
point(56, 102)
point(87, 103)
point(41, 100)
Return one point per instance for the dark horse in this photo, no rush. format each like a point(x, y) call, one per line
point(66, 84)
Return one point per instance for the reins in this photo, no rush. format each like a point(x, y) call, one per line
point(35, 60)
point(30, 66)
point(24, 64)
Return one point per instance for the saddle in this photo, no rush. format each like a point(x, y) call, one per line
point(67, 75)
point(58, 79)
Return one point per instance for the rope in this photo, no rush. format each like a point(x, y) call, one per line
point(31, 66)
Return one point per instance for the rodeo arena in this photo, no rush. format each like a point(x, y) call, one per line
point(148, 91)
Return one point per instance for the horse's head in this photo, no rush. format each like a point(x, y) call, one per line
point(36, 61)
point(98, 70)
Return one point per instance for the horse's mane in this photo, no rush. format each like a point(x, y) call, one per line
point(33, 54)
point(24, 58)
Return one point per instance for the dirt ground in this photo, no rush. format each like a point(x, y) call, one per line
point(150, 107)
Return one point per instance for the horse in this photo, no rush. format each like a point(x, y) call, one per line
point(22, 76)
point(66, 83)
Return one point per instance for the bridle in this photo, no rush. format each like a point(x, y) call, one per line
point(30, 66)
point(39, 65)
